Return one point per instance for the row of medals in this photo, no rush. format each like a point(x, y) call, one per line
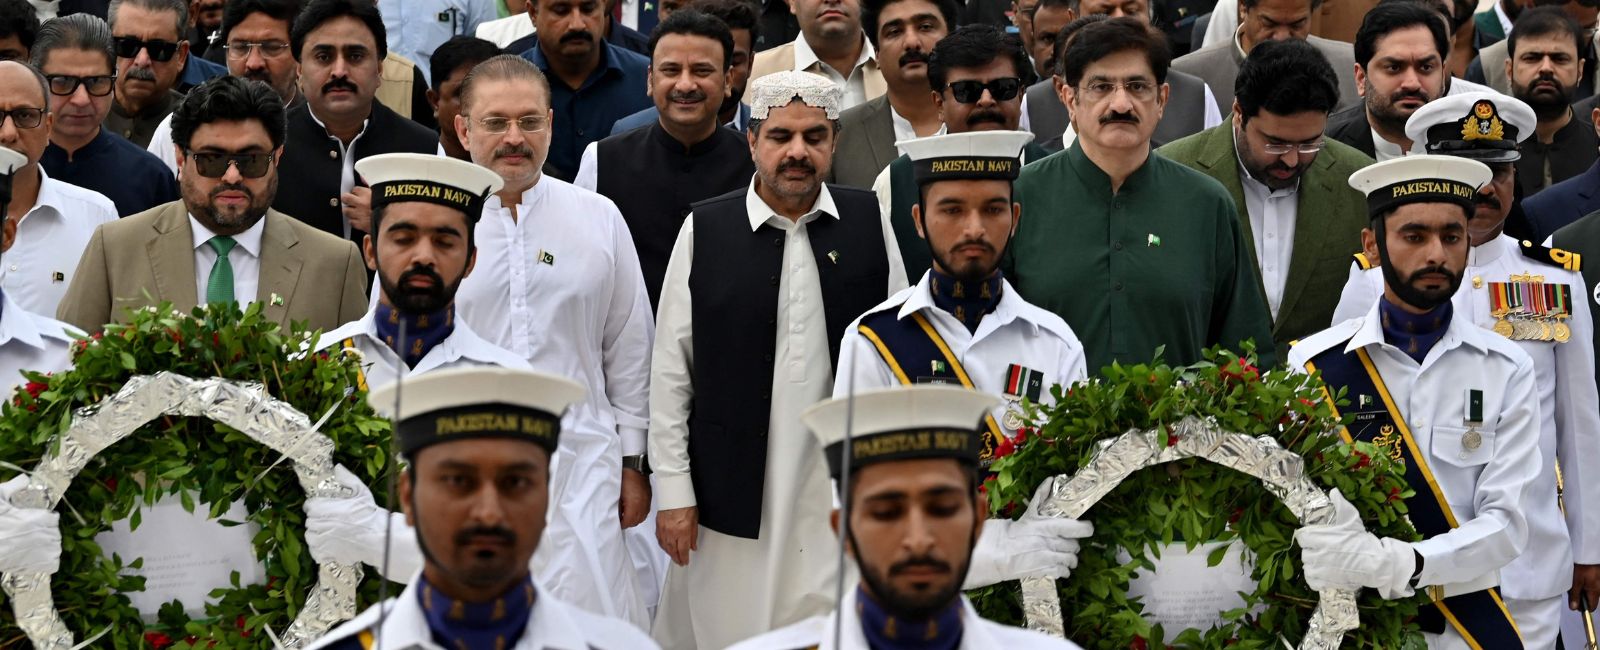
point(1522, 325)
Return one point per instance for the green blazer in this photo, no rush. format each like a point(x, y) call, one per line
point(1328, 222)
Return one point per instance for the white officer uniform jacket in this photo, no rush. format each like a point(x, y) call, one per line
point(554, 625)
point(1487, 487)
point(29, 341)
point(462, 348)
point(1016, 332)
point(817, 632)
point(1569, 423)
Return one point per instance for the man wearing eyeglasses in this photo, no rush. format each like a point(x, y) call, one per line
point(150, 53)
point(221, 243)
point(1136, 252)
point(1287, 181)
point(75, 54)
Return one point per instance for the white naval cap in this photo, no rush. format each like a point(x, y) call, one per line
point(401, 177)
point(1479, 125)
point(482, 402)
point(901, 423)
point(974, 155)
point(1420, 178)
point(776, 90)
point(11, 161)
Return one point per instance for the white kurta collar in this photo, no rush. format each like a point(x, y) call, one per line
point(249, 240)
point(805, 57)
point(759, 212)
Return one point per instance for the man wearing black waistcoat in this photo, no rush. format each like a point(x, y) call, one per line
point(785, 266)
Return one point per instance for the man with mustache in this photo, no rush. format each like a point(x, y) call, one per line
point(742, 21)
point(913, 518)
point(340, 46)
point(1399, 52)
point(655, 173)
point(904, 32)
point(1105, 249)
point(1287, 181)
point(830, 44)
point(478, 446)
point(760, 284)
point(1458, 406)
point(147, 37)
point(1545, 67)
point(1262, 21)
point(1562, 551)
point(221, 243)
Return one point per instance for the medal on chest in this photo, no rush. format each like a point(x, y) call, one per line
point(1021, 382)
point(1525, 308)
point(1472, 439)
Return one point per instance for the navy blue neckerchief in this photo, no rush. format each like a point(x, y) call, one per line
point(489, 626)
point(423, 331)
point(884, 631)
point(969, 302)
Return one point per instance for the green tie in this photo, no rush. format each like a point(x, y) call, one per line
point(219, 287)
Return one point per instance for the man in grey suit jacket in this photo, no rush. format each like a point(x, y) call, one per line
point(1268, 20)
point(221, 243)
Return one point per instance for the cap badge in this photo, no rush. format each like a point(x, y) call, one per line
point(1483, 124)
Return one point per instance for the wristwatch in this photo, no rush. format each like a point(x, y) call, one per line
point(639, 463)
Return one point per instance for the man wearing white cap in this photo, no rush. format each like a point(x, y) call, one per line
point(906, 466)
point(760, 285)
point(1454, 404)
point(1534, 296)
point(478, 444)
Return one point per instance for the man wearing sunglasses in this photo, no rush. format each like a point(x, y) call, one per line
point(1287, 181)
point(221, 243)
point(145, 35)
point(1105, 248)
point(75, 54)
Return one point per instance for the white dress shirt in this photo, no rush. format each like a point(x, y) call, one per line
point(162, 146)
point(51, 238)
point(245, 258)
point(905, 130)
point(29, 341)
point(853, 82)
point(1272, 220)
point(504, 31)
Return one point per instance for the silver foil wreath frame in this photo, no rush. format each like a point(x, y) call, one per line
point(1280, 470)
point(243, 406)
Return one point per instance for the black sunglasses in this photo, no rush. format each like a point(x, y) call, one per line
point(215, 165)
point(128, 47)
point(969, 92)
point(98, 85)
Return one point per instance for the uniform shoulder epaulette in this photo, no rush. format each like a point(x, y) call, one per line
point(1553, 256)
point(1362, 262)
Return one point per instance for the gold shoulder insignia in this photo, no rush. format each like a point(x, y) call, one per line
point(1553, 256)
point(1362, 262)
point(366, 639)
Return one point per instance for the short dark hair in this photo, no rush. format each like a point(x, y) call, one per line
point(1067, 32)
point(689, 22)
point(737, 14)
point(974, 46)
point(18, 19)
point(1544, 21)
point(1285, 78)
point(228, 98)
point(235, 11)
point(457, 53)
point(1102, 39)
point(871, 9)
point(74, 32)
point(1386, 19)
point(318, 12)
point(1251, 4)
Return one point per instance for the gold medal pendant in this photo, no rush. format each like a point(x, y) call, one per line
point(1563, 333)
point(1470, 441)
point(1013, 420)
point(1503, 328)
point(1545, 332)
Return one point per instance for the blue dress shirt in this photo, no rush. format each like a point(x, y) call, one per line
point(134, 179)
point(616, 89)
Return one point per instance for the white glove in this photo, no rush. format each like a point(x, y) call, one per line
point(1033, 546)
point(1343, 555)
point(30, 538)
point(351, 530)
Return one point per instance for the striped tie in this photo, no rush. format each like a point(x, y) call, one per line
point(219, 287)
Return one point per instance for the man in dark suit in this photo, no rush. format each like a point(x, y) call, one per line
point(1571, 199)
point(1397, 72)
point(1267, 20)
point(1302, 220)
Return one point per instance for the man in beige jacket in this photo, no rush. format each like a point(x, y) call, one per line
point(221, 242)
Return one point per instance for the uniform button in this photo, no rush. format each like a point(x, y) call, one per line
point(333, 153)
point(772, 321)
point(769, 357)
point(778, 242)
point(774, 280)
point(333, 203)
point(1116, 286)
point(1116, 245)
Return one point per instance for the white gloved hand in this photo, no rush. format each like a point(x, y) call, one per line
point(351, 530)
point(30, 538)
point(1033, 546)
point(1343, 555)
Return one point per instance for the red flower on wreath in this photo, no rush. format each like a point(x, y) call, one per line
point(1138, 644)
point(157, 640)
point(1005, 448)
point(1362, 460)
point(1241, 371)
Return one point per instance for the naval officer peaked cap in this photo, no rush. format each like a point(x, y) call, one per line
point(1477, 125)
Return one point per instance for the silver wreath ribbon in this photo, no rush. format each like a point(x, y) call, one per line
point(246, 407)
point(1280, 470)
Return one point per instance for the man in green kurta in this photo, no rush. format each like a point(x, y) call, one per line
point(1134, 251)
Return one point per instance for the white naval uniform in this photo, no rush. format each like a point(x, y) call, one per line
point(553, 625)
point(1487, 488)
point(735, 588)
point(977, 634)
point(1016, 332)
point(1535, 585)
point(29, 341)
point(560, 286)
point(461, 349)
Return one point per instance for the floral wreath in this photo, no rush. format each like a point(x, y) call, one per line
point(203, 462)
point(1193, 501)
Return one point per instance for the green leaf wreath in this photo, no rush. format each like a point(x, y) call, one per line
point(1194, 501)
point(208, 464)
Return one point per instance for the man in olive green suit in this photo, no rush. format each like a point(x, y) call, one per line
point(1302, 219)
point(221, 243)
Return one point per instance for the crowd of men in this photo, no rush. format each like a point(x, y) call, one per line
point(503, 204)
